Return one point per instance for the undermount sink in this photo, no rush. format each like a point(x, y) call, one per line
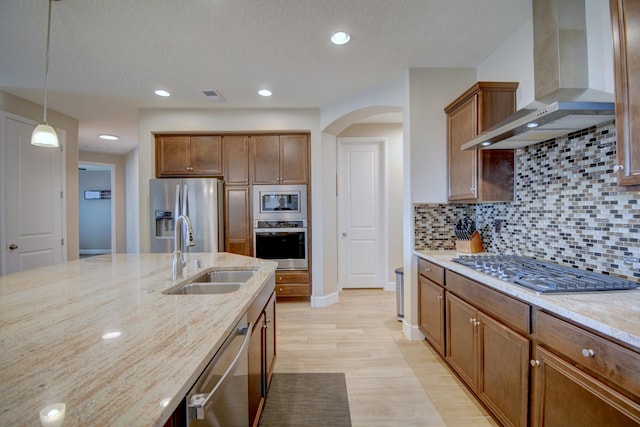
point(214, 281)
point(205, 288)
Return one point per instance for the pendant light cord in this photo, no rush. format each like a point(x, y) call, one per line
point(46, 63)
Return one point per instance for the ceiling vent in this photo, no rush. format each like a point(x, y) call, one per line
point(213, 95)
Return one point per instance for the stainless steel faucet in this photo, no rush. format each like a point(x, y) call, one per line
point(178, 260)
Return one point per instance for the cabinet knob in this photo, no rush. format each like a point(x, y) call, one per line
point(280, 278)
point(534, 362)
point(472, 320)
point(587, 352)
point(440, 297)
point(427, 270)
point(476, 323)
point(280, 289)
point(618, 168)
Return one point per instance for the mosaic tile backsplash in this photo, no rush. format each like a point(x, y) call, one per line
point(568, 209)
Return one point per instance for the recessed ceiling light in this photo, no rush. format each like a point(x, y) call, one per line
point(264, 92)
point(532, 125)
point(162, 92)
point(340, 37)
point(108, 137)
point(486, 144)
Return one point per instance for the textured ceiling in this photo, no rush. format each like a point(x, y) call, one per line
point(107, 57)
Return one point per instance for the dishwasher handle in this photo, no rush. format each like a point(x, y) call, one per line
point(198, 402)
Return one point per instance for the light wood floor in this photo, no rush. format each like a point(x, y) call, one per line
point(391, 381)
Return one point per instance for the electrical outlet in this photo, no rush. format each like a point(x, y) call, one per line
point(497, 226)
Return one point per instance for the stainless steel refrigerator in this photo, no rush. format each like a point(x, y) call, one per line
point(199, 198)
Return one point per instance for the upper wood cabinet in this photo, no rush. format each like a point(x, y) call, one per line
point(480, 175)
point(280, 159)
point(184, 155)
point(236, 159)
point(625, 16)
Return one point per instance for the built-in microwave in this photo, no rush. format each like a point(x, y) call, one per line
point(280, 202)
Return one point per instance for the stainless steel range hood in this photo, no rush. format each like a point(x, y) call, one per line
point(564, 102)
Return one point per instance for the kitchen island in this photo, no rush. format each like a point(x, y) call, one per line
point(55, 329)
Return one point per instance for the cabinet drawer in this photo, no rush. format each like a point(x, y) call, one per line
point(605, 358)
point(514, 313)
point(286, 277)
point(299, 290)
point(431, 271)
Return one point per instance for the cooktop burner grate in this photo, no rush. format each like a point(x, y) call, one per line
point(541, 276)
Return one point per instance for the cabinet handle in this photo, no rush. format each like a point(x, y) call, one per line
point(440, 297)
point(587, 352)
point(427, 270)
point(534, 362)
point(472, 320)
point(280, 278)
point(618, 168)
point(476, 323)
point(280, 289)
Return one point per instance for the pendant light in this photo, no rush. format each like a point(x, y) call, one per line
point(44, 135)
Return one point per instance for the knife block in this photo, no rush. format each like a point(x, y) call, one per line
point(471, 246)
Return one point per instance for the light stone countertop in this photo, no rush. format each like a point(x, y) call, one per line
point(52, 321)
point(615, 313)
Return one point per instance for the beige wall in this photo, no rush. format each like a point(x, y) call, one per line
point(29, 110)
point(118, 192)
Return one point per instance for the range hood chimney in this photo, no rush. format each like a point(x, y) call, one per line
point(564, 102)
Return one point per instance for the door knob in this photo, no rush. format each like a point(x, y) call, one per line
point(344, 234)
point(13, 246)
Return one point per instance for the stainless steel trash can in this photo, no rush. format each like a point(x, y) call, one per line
point(400, 292)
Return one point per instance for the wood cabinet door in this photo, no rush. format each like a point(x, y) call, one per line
point(503, 375)
point(431, 313)
point(625, 16)
point(270, 340)
point(206, 155)
point(173, 157)
point(266, 159)
point(564, 396)
point(294, 159)
point(255, 370)
point(236, 159)
point(461, 339)
point(237, 224)
point(462, 126)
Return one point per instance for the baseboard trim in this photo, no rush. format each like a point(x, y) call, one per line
point(324, 301)
point(412, 332)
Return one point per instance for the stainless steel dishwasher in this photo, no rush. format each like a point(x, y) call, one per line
point(220, 397)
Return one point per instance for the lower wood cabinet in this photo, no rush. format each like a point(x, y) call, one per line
point(491, 358)
point(431, 303)
point(293, 284)
point(527, 366)
point(580, 378)
point(431, 313)
point(262, 351)
point(565, 396)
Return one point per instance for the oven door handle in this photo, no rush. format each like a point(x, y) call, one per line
point(279, 230)
point(198, 402)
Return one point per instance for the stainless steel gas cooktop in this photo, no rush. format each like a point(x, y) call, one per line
point(541, 276)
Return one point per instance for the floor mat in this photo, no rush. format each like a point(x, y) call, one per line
point(309, 399)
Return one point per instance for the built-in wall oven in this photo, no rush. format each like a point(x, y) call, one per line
point(280, 225)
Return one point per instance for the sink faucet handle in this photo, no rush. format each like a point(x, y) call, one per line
point(190, 240)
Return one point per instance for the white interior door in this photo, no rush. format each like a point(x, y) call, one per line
point(361, 214)
point(32, 200)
